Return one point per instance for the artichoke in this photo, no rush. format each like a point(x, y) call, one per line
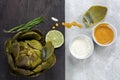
point(94, 15)
point(28, 54)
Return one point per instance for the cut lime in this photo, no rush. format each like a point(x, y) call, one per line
point(56, 37)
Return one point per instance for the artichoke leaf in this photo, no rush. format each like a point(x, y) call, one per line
point(11, 62)
point(21, 71)
point(30, 35)
point(47, 50)
point(42, 37)
point(34, 44)
point(17, 35)
point(8, 44)
point(15, 48)
point(44, 66)
point(35, 74)
point(38, 69)
point(49, 62)
point(94, 15)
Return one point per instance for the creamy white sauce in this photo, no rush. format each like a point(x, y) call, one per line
point(80, 47)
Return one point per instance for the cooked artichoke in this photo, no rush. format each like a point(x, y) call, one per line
point(27, 54)
point(94, 15)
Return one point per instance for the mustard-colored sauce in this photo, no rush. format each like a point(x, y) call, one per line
point(104, 34)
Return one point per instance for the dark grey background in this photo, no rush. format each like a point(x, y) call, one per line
point(15, 12)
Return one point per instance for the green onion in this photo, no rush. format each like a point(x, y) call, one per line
point(27, 26)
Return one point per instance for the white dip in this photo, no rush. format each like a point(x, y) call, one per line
point(80, 47)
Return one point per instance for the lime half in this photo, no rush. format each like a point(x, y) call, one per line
point(56, 37)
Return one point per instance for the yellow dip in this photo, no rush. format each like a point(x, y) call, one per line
point(104, 34)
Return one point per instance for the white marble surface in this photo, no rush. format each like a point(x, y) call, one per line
point(104, 64)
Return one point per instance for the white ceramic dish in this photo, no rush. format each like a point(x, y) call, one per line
point(113, 29)
point(91, 44)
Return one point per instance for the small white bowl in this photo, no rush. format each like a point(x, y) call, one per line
point(111, 27)
point(87, 39)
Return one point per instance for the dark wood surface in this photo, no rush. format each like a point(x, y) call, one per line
point(15, 12)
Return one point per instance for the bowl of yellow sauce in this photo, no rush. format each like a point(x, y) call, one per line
point(104, 34)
